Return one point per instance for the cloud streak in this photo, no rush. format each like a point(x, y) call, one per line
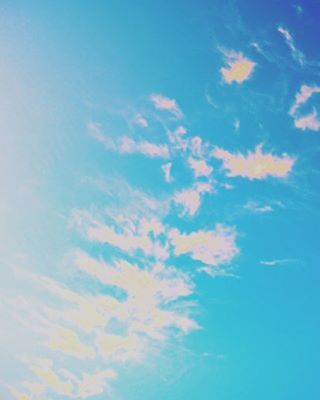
point(296, 54)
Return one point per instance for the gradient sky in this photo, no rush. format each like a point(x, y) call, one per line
point(159, 200)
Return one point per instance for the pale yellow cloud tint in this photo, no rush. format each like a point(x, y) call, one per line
point(127, 145)
point(239, 68)
point(67, 341)
point(147, 292)
point(95, 383)
point(131, 238)
point(51, 380)
point(255, 165)
point(211, 247)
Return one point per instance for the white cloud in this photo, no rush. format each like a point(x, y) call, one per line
point(311, 120)
point(302, 97)
point(95, 383)
point(161, 102)
point(140, 120)
point(130, 146)
point(130, 238)
point(296, 54)
point(239, 67)
point(190, 199)
point(166, 168)
point(50, 380)
point(211, 247)
point(199, 167)
point(255, 165)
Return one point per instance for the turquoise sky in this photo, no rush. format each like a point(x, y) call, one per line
point(159, 200)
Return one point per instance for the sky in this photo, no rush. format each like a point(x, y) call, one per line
point(159, 207)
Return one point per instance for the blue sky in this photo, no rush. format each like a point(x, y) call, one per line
point(159, 200)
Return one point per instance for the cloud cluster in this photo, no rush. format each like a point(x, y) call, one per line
point(126, 295)
point(255, 165)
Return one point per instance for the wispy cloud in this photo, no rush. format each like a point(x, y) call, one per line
point(50, 380)
point(127, 145)
point(130, 146)
point(164, 103)
point(256, 207)
point(166, 168)
point(140, 120)
point(210, 247)
point(273, 263)
point(255, 165)
point(190, 199)
point(308, 121)
point(239, 67)
point(65, 383)
point(133, 235)
point(296, 54)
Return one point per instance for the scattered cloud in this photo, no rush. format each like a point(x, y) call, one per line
point(50, 380)
point(65, 383)
point(130, 146)
point(236, 125)
point(127, 145)
point(255, 165)
point(210, 247)
point(131, 236)
point(166, 168)
point(199, 167)
point(258, 208)
point(296, 54)
point(311, 120)
point(161, 102)
point(140, 120)
point(239, 67)
point(273, 263)
point(95, 383)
